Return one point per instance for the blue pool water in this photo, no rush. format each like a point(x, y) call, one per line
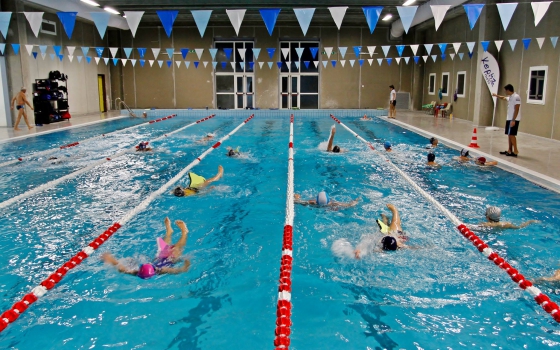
point(443, 294)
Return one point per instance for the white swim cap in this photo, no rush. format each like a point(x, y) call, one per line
point(323, 198)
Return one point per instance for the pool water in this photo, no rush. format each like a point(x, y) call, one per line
point(441, 294)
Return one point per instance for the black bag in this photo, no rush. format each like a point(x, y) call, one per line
point(54, 75)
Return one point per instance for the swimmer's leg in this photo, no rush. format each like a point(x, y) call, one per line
point(395, 220)
point(180, 245)
point(215, 178)
point(168, 231)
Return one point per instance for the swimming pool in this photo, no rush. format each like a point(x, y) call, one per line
point(443, 294)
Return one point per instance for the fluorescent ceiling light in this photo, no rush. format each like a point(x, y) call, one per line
point(387, 17)
point(111, 10)
point(409, 2)
point(90, 2)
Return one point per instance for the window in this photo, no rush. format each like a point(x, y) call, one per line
point(432, 84)
point(537, 85)
point(48, 27)
point(461, 81)
point(445, 84)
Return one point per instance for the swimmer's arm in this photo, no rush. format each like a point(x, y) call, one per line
point(27, 102)
point(331, 140)
point(13, 101)
point(110, 259)
point(345, 205)
point(302, 202)
point(174, 271)
point(527, 223)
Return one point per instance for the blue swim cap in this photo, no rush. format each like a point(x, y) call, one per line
point(323, 198)
point(387, 144)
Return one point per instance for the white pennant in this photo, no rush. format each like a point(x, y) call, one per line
point(285, 53)
point(261, 64)
point(425, 58)
point(269, 65)
point(380, 60)
point(352, 62)
point(316, 63)
point(123, 60)
point(337, 14)
point(371, 50)
point(106, 60)
point(43, 55)
point(97, 60)
point(342, 62)
point(133, 62)
point(512, 43)
point(199, 53)
point(29, 49)
point(385, 49)
point(398, 59)
point(439, 12)
point(452, 56)
point(35, 20)
point(328, 50)
point(156, 52)
point(113, 51)
point(205, 63)
point(71, 58)
point(539, 10)
point(133, 19)
point(541, 42)
point(325, 63)
point(434, 57)
point(187, 64)
point(428, 48)
point(470, 45)
point(71, 50)
point(232, 65)
point(406, 59)
point(498, 44)
point(151, 63)
point(414, 49)
point(242, 53)
point(370, 61)
point(160, 62)
point(342, 51)
point(456, 46)
point(236, 17)
point(178, 63)
point(506, 12)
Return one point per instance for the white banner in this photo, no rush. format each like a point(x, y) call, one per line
point(439, 12)
point(498, 44)
point(414, 49)
point(236, 17)
point(491, 73)
point(133, 19)
point(35, 20)
point(539, 10)
point(456, 46)
point(337, 14)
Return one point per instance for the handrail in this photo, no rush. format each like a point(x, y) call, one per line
point(130, 112)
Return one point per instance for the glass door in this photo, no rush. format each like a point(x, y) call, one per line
point(235, 75)
point(299, 77)
point(289, 91)
point(244, 91)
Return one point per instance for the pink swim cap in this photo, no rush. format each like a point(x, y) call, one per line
point(146, 271)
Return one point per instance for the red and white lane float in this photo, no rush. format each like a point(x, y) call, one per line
point(284, 305)
point(523, 283)
point(54, 278)
point(73, 144)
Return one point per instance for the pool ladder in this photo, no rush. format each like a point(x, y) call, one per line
point(118, 104)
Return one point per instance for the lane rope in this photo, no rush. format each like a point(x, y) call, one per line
point(284, 306)
point(76, 173)
point(52, 150)
point(53, 279)
point(542, 299)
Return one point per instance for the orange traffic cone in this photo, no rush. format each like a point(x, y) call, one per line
point(474, 144)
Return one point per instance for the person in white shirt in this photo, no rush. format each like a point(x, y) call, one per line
point(392, 102)
point(513, 119)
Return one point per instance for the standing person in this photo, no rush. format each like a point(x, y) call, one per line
point(21, 101)
point(392, 102)
point(513, 119)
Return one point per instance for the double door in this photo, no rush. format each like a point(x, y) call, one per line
point(289, 91)
point(299, 91)
point(235, 91)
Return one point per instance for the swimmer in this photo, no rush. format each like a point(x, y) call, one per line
point(197, 183)
point(393, 238)
point(481, 161)
point(432, 160)
point(323, 200)
point(21, 101)
point(233, 152)
point(208, 137)
point(167, 256)
point(330, 147)
point(144, 114)
point(143, 147)
point(493, 215)
point(464, 157)
point(365, 117)
point(553, 278)
point(433, 143)
point(387, 146)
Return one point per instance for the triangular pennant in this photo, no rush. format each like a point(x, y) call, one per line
point(133, 19)
point(188, 64)
point(29, 49)
point(127, 51)
point(141, 51)
point(214, 64)
point(5, 23)
point(271, 52)
point(270, 65)
point(35, 56)
point(185, 52)
point(434, 57)
point(342, 51)
point(68, 20)
point(299, 51)
point(389, 60)
point(512, 43)
point(306, 63)
point(113, 51)
point(442, 48)
point(256, 53)
point(156, 52)
point(85, 49)
point(115, 61)
point(101, 20)
point(470, 54)
point(88, 59)
point(297, 64)
point(325, 63)
point(428, 48)
point(461, 55)
point(337, 14)
point(371, 50)
point(485, 45)
point(342, 62)
point(98, 50)
point(251, 65)
point(425, 58)
point(123, 60)
point(285, 53)
point(212, 53)
point(526, 42)
point(178, 64)
point(279, 64)
point(416, 59)
point(304, 17)
point(333, 62)
point(398, 59)
point(357, 51)
point(151, 62)
point(372, 16)
point(370, 61)
point(269, 17)
point(456, 47)
point(160, 62)
point(205, 63)
point(196, 63)
point(314, 51)
point(71, 50)
point(35, 20)
point(385, 49)
point(61, 57)
point(170, 52)
point(261, 64)
point(133, 62)
point(400, 49)
point(506, 11)
point(414, 49)
point(406, 59)
point(242, 53)
point(470, 46)
point(452, 56)
point(167, 18)
point(406, 13)
point(361, 62)
point(56, 49)
point(106, 60)
point(539, 10)
point(498, 44)
point(439, 12)
point(288, 64)
point(473, 12)
point(223, 65)
point(328, 51)
point(443, 57)
point(236, 18)
point(540, 41)
point(380, 60)
point(52, 56)
point(97, 59)
point(228, 52)
point(554, 41)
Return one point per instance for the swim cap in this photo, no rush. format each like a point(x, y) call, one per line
point(336, 149)
point(323, 198)
point(146, 271)
point(389, 243)
point(179, 192)
point(231, 153)
point(210, 134)
point(493, 213)
point(431, 157)
point(387, 144)
point(481, 160)
point(23, 88)
point(464, 153)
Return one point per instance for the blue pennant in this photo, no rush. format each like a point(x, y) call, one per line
point(372, 16)
point(167, 19)
point(115, 61)
point(169, 63)
point(34, 54)
point(2, 48)
point(170, 52)
point(306, 64)
point(101, 20)
point(279, 64)
point(228, 53)
point(473, 12)
point(269, 17)
point(57, 49)
point(361, 62)
point(141, 51)
point(485, 45)
point(52, 56)
point(400, 49)
point(99, 51)
point(416, 59)
point(16, 48)
point(195, 64)
point(68, 20)
point(142, 62)
point(214, 64)
point(389, 60)
point(223, 65)
point(470, 54)
point(85, 50)
point(251, 65)
point(61, 57)
point(314, 51)
point(443, 57)
point(526, 42)
point(357, 50)
point(184, 52)
point(127, 51)
point(333, 62)
point(271, 52)
point(442, 48)
point(213, 53)
point(88, 59)
point(242, 64)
